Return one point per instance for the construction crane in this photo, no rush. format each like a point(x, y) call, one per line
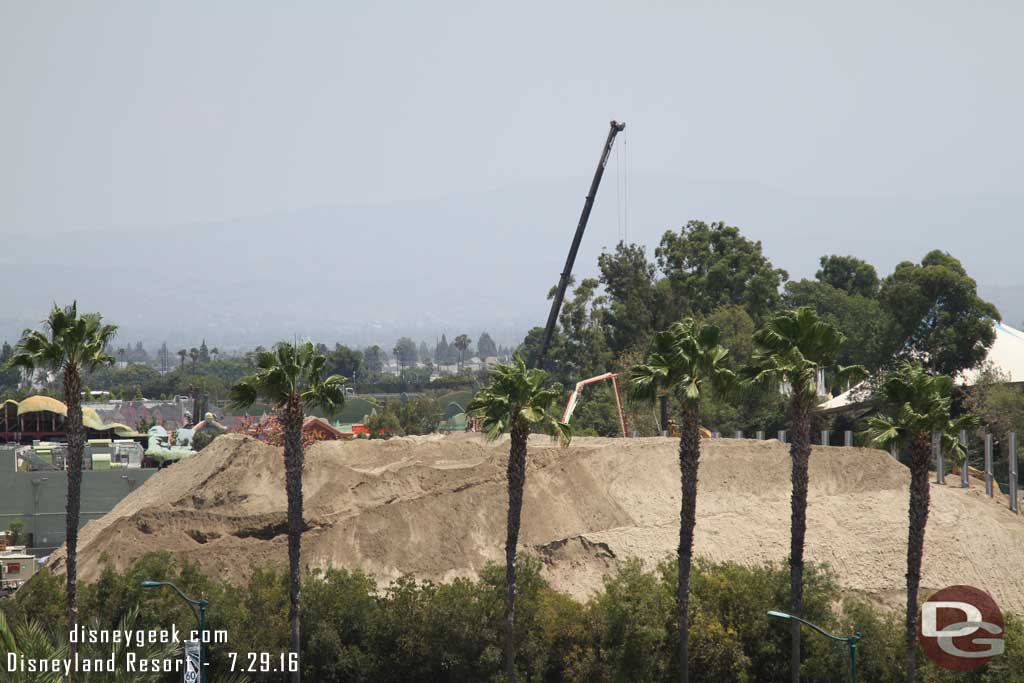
point(575, 397)
point(615, 127)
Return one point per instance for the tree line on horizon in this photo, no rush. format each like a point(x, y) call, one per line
point(212, 372)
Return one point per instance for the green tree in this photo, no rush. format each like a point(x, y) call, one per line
point(913, 405)
point(405, 352)
point(383, 423)
point(292, 379)
point(10, 378)
point(634, 301)
point(182, 354)
point(849, 274)
point(16, 531)
point(707, 265)
point(996, 400)
point(794, 348)
point(485, 346)
point(373, 359)
point(938, 317)
point(72, 344)
point(516, 402)
point(686, 359)
point(344, 361)
point(582, 350)
point(193, 353)
point(462, 343)
point(441, 351)
point(204, 353)
point(865, 322)
point(756, 407)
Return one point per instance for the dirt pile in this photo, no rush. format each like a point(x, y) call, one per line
point(435, 507)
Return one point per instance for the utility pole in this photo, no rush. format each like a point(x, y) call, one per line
point(556, 305)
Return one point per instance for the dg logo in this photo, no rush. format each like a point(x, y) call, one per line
point(960, 628)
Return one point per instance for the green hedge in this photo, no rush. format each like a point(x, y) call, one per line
point(421, 631)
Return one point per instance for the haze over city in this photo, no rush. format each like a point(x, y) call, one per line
point(366, 171)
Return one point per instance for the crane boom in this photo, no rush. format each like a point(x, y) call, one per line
point(615, 128)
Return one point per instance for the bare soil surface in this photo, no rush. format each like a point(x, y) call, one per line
point(434, 507)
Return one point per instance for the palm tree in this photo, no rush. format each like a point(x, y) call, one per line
point(792, 349)
point(687, 360)
point(72, 344)
point(182, 353)
point(516, 402)
point(462, 343)
point(291, 378)
point(915, 404)
point(193, 353)
point(214, 352)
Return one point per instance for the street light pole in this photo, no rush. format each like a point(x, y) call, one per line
point(198, 608)
point(851, 641)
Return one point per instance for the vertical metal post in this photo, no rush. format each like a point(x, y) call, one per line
point(848, 438)
point(965, 480)
point(824, 437)
point(782, 435)
point(988, 466)
point(202, 641)
point(853, 658)
point(663, 403)
point(760, 434)
point(738, 434)
point(940, 466)
point(1013, 472)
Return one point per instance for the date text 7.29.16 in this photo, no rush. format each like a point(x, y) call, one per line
point(263, 662)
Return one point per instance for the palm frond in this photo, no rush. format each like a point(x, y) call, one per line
point(685, 358)
point(792, 347)
point(516, 395)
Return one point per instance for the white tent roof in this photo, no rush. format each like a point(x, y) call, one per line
point(1006, 355)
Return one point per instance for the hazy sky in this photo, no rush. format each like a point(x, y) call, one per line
point(155, 114)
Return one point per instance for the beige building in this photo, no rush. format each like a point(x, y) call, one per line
point(16, 567)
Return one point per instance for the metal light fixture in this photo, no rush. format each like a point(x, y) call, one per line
point(851, 641)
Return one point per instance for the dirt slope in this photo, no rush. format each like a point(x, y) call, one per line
point(435, 507)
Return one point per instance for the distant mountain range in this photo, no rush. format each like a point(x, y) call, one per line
point(460, 264)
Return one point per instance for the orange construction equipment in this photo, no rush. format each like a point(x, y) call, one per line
point(673, 431)
point(575, 397)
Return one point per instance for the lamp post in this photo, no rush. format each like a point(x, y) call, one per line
point(198, 608)
point(851, 641)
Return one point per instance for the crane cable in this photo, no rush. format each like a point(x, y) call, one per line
point(626, 186)
point(622, 190)
point(618, 196)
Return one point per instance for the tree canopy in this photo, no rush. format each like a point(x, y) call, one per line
point(849, 274)
point(937, 315)
point(708, 265)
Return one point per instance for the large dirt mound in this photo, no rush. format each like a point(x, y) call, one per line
point(435, 507)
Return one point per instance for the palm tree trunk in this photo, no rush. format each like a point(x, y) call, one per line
point(800, 452)
point(76, 448)
point(516, 482)
point(293, 464)
point(689, 460)
point(920, 491)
